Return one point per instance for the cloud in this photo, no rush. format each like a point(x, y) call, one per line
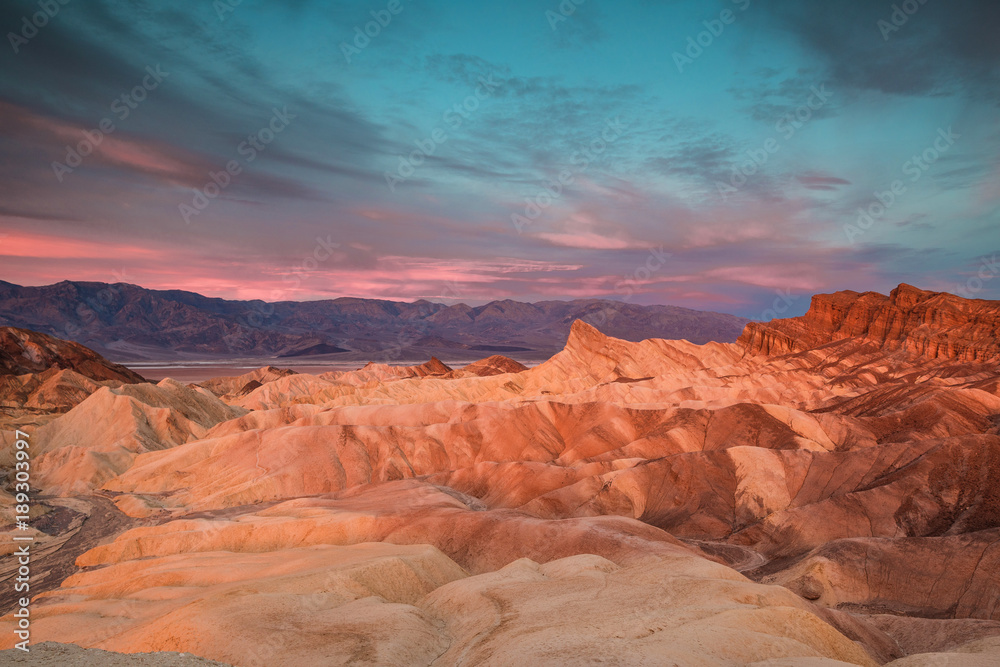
point(586, 240)
point(653, 187)
point(768, 95)
point(130, 155)
point(814, 181)
point(944, 48)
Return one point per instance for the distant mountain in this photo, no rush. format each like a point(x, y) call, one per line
point(130, 323)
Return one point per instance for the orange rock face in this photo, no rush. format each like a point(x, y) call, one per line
point(824, 491)
point(931, 325)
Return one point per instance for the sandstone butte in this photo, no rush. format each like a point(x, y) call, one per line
point(825, 491)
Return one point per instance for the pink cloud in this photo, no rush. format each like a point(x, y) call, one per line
point(42, 248)
point(144, 158)
point(584, 240)
point(789, 276)
point(173, 164)
point(584, 229)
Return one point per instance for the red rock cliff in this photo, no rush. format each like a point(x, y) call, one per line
point(934, 325)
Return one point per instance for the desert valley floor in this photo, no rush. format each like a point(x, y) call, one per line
point(825, 491)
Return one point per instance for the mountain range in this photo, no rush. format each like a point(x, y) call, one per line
point(130, 323)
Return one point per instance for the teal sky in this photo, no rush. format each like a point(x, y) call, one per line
point(372, 187)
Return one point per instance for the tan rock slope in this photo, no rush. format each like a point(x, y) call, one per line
point(373, 372)
point(100, 437)
point(384, 604)
point(240, 385)
point(40, 378)
point(823, 492)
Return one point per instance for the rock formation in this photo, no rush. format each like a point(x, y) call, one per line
point(821, 492)
point(241, 385)
point(23, 351)
point(931, 325)
point(39, 372)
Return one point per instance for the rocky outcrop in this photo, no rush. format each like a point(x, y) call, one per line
point(495, 365)
point(376, 372)
point(954, 576)
point(53, 390)
point(41, 376)
point(239, 385)
point(54, 654)
point(929, 325)
point(23, 351)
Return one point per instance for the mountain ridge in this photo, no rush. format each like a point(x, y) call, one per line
point(130, 323)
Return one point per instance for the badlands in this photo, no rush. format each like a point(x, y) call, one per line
point(825, 491)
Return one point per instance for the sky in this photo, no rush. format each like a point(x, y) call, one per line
point(736, 156)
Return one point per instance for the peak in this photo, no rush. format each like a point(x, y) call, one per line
point(581, 328)
point(907, 295)
point(493, 365)
point(583, 336)
point(497, 364)
point(435, 366)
